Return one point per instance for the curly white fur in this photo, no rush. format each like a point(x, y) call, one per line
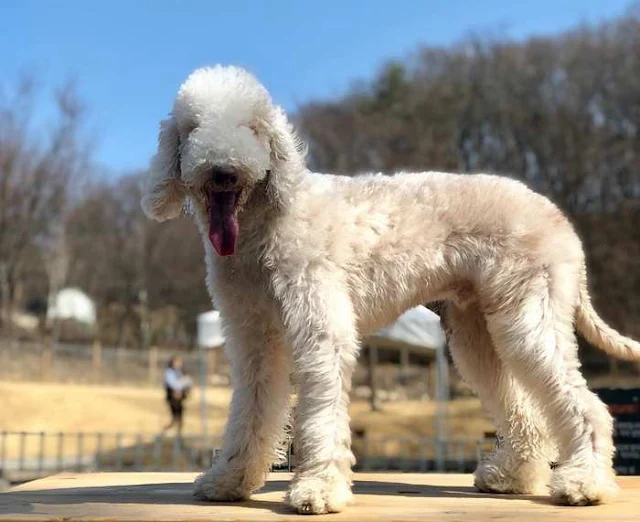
point(322, 260)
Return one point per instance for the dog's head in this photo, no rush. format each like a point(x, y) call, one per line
point(224, 139)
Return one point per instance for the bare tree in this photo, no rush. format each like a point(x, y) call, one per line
point(38, 170)
point(133, 265)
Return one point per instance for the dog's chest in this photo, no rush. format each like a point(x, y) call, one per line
point(245, 278)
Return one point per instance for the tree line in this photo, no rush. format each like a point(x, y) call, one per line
point(561, 113)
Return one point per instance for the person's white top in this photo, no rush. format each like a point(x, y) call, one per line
point(175, 380)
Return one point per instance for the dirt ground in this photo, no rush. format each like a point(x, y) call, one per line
point(36, 407)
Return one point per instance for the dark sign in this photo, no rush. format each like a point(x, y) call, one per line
point(624, 406)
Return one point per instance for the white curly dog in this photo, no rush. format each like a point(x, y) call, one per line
point(302, 265)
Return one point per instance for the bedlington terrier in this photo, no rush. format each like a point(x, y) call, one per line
point(303, 265)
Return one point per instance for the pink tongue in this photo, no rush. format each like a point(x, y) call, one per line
point(223, 223)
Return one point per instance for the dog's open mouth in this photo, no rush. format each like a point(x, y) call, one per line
point(223, 221)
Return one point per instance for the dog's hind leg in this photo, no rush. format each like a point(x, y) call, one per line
point(324, 340)
point(521, 463)
point(260, 368)
point(532, 328)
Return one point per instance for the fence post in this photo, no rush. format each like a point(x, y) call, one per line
point(8, 351)
point(99, 451)
point(203, 388)
point(423, 454)
point(46, 359)
point(3, 450)
point(79, 451)
point(118, 451)
point(96, 361)
point(21, 450)
point(373, 377)
point(404, 366)
point(205, 452)
point(41, 453)
point(158, 446)
point(175, 452)
point(153, 366)
point(119, 355)
point(60, 451)
point(139, 449)
point(213, 361)
point(364, 460)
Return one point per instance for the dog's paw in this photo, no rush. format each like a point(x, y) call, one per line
point(577, 486)
point(316, 494)
point(512, 476)
point(221, 485)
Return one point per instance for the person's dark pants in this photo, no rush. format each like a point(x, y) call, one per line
point(177, 409)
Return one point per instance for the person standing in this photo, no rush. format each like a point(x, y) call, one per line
point(177, 386)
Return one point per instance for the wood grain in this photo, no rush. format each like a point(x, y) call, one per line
point(379, 497)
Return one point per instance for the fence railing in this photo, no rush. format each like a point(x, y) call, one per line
point(32, 454)
point(386, 453)
point(40, 453)
point(94, 363)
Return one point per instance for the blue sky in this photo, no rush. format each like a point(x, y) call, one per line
point(129, 57)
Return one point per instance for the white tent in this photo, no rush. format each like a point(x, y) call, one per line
point(72, 303)
point(418, 330)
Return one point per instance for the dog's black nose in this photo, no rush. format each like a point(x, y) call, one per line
point(225, 177)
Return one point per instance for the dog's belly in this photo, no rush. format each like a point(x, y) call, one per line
point(379, 296)
point(385, 303)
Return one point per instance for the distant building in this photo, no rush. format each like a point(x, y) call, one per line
point(74, 304)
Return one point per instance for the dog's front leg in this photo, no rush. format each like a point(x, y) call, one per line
point(324, 341)
point(260, 367)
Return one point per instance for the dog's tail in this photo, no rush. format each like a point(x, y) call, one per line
point(599, 333)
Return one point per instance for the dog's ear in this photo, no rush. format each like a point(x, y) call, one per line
point(165, 192)
point(286, 155)
point(276, 181)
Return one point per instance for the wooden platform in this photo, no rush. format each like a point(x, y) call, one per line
point(379, 497)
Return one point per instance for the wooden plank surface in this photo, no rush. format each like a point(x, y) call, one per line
point(379, 497)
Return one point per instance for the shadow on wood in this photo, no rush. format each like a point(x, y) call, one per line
point(399, 497)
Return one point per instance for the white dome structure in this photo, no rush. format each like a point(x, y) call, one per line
point(72, 303)
point(210, 330)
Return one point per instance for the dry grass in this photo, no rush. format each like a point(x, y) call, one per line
point(37, 407)
point(396, 430)
point(51, 408)
point(63, 407)
point(464, 418)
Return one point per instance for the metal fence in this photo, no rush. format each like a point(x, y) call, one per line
point(393, 453)
point(26, 455)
